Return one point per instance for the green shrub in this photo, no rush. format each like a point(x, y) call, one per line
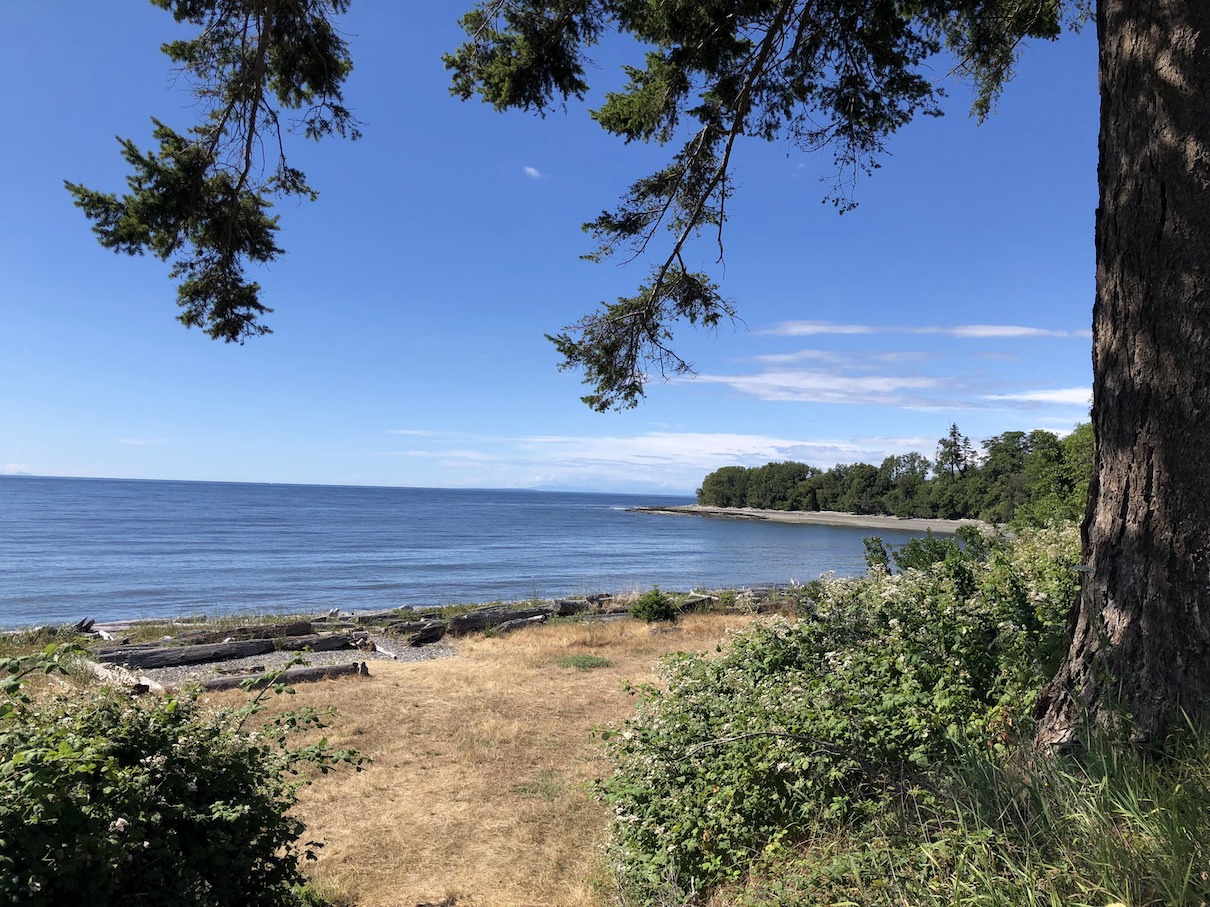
point(106, 799)
point(653, 606)
point(583, 662)
point(836, 718)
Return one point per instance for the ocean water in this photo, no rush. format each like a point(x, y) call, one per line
point(120, 549)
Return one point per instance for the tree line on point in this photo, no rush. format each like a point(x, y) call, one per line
point(1026, 477)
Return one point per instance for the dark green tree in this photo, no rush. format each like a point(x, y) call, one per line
point(862, 490)
point(1078, 466)
point(1002, 485)
point(771, 486)
point(202, 200)
point(908, 476)
point(725, 487)
point(840, 74)
point(953, 453)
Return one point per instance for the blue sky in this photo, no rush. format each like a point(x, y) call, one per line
point(410, 309)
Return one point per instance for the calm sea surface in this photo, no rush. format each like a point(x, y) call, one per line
point(116, 549)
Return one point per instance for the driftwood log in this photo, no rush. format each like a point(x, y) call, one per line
point(293, 675)
point(378, 617)
point(487, 618)
point(119, 676)
point(509, 625)
point(417, 632)
point(179, 656)
point(424, 631)
point(259, 631)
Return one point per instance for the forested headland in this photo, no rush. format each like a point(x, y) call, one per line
point(1030, 477)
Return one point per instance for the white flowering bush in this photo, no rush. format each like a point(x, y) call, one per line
point(836, 716)
point(106, 799)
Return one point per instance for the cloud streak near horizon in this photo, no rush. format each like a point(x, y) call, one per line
point(680, 459)
point(1063, 396)
point(969, 331)
point(834, 387)
point(822, 386)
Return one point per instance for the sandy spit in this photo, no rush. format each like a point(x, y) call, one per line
point(813, 517)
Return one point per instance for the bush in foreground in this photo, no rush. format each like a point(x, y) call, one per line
point(106, 799)
point(830, 723)
point(653, 606)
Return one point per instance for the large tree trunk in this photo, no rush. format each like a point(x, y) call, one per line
point(1140, 646)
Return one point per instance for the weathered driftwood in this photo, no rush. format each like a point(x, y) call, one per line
point(258, 631)
point(178, 656)
point(322, 642)
point(509, 625)
point(389, 653)
point(486, 618)
point(395, 614)
point(293, 675)
point(421, 632)
point(417, 632)
point(116, 674)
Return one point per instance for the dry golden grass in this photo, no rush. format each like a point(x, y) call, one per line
point(479, 792)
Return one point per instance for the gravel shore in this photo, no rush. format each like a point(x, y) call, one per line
point(814, 517)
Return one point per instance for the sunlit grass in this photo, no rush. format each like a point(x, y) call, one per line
point(480, 786)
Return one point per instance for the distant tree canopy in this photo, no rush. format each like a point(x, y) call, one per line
point(1026, 477)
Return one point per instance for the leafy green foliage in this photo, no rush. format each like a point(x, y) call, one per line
point(524, 55)
point(654, 605)
point(841, 74)
point(202, 200)
point(618, 346)
point(105, 799)
point(51, 659)
point(833, 719)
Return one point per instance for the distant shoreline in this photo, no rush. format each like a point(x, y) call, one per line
point(813, 517)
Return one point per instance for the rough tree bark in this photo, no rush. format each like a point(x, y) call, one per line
point(1140, 646)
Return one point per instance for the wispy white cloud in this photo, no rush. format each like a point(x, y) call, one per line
point(847, 359)
point(656, 461)
point(998, 357)
point(415, 432)
point(852, 384)
point(903, 356)
point(533, 173)
point(13, 469)
point(970, 331)
point(142, 442)
point(1063, 396)
point(812, 328)
point(819, 386)
point(799, 356)
point(688, 456)
point(996, 331)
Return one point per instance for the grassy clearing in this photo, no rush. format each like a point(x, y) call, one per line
point(479, 792)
